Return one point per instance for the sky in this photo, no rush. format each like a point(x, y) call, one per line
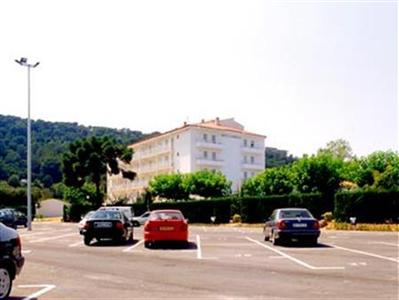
point(302, 73)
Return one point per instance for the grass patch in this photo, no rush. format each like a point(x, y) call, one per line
point(52, 219)
point(362, 226)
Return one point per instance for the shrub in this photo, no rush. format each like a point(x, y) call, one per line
point(257, 209)
point(236, 218)
point(367, 206)
point(327, 216)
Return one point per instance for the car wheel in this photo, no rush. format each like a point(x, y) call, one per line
point(87, 240)
point(5, 283)
point(313, 241)
point(273, 239)
point(267, 237)
point(148, 244)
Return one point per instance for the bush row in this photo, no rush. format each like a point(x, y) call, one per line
point(199, 211)
point(367, 206)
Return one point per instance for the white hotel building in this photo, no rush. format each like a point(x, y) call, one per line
point(221, 145)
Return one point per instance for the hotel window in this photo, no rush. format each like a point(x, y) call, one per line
point(205, 136)
point(252, 159)
point(205, 154)
point(177, 154)
point(252, 144)
point(214, 139)
point(245, 143)
point(213, 155)
point(245, 159)
point(245, 175)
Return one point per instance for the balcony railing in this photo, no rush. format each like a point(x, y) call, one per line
point(208, 144)
point(252, 166)
point(252, 150)
point(209, 162)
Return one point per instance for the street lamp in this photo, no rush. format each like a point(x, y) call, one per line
point(24, 62)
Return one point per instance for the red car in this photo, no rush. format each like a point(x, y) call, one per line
point(165, 225)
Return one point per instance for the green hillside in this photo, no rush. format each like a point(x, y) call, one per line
point(49, 141)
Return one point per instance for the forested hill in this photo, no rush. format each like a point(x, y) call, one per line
point(49, 141)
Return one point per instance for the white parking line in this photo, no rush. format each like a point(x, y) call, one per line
point(26, 251)
point(45, 288)
point(199, 251)
point(384, 243)
point(365, 253)
point(41, 233)
point(76, 244)
point(300, 262)
point(132, 247)
point(53, 238)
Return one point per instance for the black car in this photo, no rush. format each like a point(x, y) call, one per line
point(108, 225)
point(11, 259)
point(291, 224)
point(22, 220)
point(8, 217)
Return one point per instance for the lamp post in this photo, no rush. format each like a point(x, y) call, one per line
point(24, 62)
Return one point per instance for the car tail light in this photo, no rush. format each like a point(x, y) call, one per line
point(281, 224)
point(86, 226)
point(183, 227)
point(18, 247)
point(148, 227)
point(119, 225)
point(316, 225)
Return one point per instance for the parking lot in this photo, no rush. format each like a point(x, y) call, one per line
point(219, 263)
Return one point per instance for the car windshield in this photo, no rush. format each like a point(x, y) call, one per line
point(286, 214)
point(110, 215)
point(169, 215)
point(89, 214)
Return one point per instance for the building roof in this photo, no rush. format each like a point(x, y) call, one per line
point(216, 124)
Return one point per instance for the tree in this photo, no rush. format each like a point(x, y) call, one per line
point(338, 148)
point(90, 159)
point(13, 181)
point(273, 181)
point(318, 173)
point(379, 170)
point(207, 184)
point(169, 186)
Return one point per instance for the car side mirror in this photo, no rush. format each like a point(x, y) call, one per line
point(187, 220)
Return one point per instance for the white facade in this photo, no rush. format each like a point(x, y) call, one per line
point(221, 145)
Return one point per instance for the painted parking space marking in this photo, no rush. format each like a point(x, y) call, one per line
point(53, 238)
point(45, 288)
point(366, 253)
point(129, 249)
point(33, 234)
point(80, 243)
point(300, 262)
point(26, 251)
point(199, 251)
point(385, 243)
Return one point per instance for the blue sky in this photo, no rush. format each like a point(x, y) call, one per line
point(300, 72)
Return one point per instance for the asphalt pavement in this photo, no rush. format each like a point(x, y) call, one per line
point(218, 263)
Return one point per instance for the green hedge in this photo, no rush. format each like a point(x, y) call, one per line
point(199, 211)
point(257, 209)
point(367, 206)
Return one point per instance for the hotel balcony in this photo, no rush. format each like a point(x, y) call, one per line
point(209, 162)
point(253, 150)
point(140, 155)
point(249, 166)
point(209, 145)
